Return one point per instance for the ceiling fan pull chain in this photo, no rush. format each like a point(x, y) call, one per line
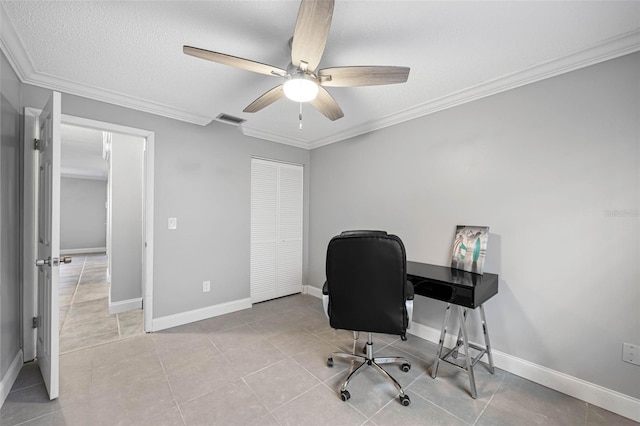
point(300, 117)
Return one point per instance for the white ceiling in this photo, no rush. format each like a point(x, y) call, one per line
point(130, 53)
point(81, 153)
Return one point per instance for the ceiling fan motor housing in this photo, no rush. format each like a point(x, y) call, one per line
point(300, 85)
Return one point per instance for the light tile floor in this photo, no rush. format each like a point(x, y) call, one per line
point(267, 366)
point(84, 306)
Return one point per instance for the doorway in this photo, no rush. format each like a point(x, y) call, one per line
point(30, 167)
point(101, 207)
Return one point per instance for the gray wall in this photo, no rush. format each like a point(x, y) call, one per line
point(83, 215)
point(10, 216)
point(553, 169)
point(202, 177)
point(126, 178)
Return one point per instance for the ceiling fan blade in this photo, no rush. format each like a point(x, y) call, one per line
point(265, 100)
point(328, 106)
point(310, 34)
point(233, 61)
point(362, 76)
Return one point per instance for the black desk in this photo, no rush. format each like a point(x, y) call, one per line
point(466, 291)
point(452, 285)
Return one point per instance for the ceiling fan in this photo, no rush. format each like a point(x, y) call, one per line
point(303, 82)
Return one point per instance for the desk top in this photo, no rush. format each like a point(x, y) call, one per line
point(452, 285)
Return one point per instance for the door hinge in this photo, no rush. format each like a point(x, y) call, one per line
point(36, 144)
point(36, 322)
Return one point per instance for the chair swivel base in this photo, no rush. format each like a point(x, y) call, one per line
point(369, 360)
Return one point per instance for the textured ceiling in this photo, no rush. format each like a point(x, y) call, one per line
point(130, 53)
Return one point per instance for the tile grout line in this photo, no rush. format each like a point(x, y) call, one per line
point(84, 263)
point(87, 264)
point(269, 412)
point(288, 358)
point(166, 377)
point(118, 325)
point(73, 297)
point(488, 402)
point(37, 418)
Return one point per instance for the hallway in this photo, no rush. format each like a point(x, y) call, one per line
point(84, 306)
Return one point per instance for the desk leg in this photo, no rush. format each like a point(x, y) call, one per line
point(465, 340)
point(485, 331)
point(459, 342)
point(443, 333)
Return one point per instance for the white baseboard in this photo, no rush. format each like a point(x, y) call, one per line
point(83, 250)
point(124, 305)
point(608, 399)
point(182, 318)
point(312, 291)
point(7, 381)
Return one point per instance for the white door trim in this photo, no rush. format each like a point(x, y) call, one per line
point(29, 295)
point(29, 237)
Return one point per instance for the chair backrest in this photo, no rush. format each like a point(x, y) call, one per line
point(366, 279)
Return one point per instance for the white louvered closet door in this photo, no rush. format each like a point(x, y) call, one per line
point(276, 229)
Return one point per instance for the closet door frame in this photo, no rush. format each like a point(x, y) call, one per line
point(277, 219)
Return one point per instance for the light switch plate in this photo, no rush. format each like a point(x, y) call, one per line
point(173, 223)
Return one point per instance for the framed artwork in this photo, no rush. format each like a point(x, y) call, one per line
point(470, 248)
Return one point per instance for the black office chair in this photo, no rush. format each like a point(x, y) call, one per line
point(367, 290)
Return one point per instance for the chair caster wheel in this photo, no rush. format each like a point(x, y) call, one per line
point(404, 400)
point(345, 395)
point(330, 362)
point(406, 367)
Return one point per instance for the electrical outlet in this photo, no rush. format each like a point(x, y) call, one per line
point(173, 223)
point(631, 353)
point(206, 286)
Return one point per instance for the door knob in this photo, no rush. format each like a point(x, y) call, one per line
point(42, 262)
point(53, 262)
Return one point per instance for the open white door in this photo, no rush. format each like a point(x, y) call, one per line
point(47, 343)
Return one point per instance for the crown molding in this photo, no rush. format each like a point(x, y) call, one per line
point(608, 49)
point(273, 137)
point(88, 174)
point(13, 48)
point(114, 98)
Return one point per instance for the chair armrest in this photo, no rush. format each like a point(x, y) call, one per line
point(409, 303)
point(409, 291)
point(325, 298)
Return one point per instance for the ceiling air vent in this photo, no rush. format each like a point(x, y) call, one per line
point(230, 119)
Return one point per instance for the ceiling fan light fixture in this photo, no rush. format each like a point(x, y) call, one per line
point(299, 88)
point(302, 79)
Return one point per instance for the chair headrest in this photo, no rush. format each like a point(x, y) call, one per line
point(362, 233)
